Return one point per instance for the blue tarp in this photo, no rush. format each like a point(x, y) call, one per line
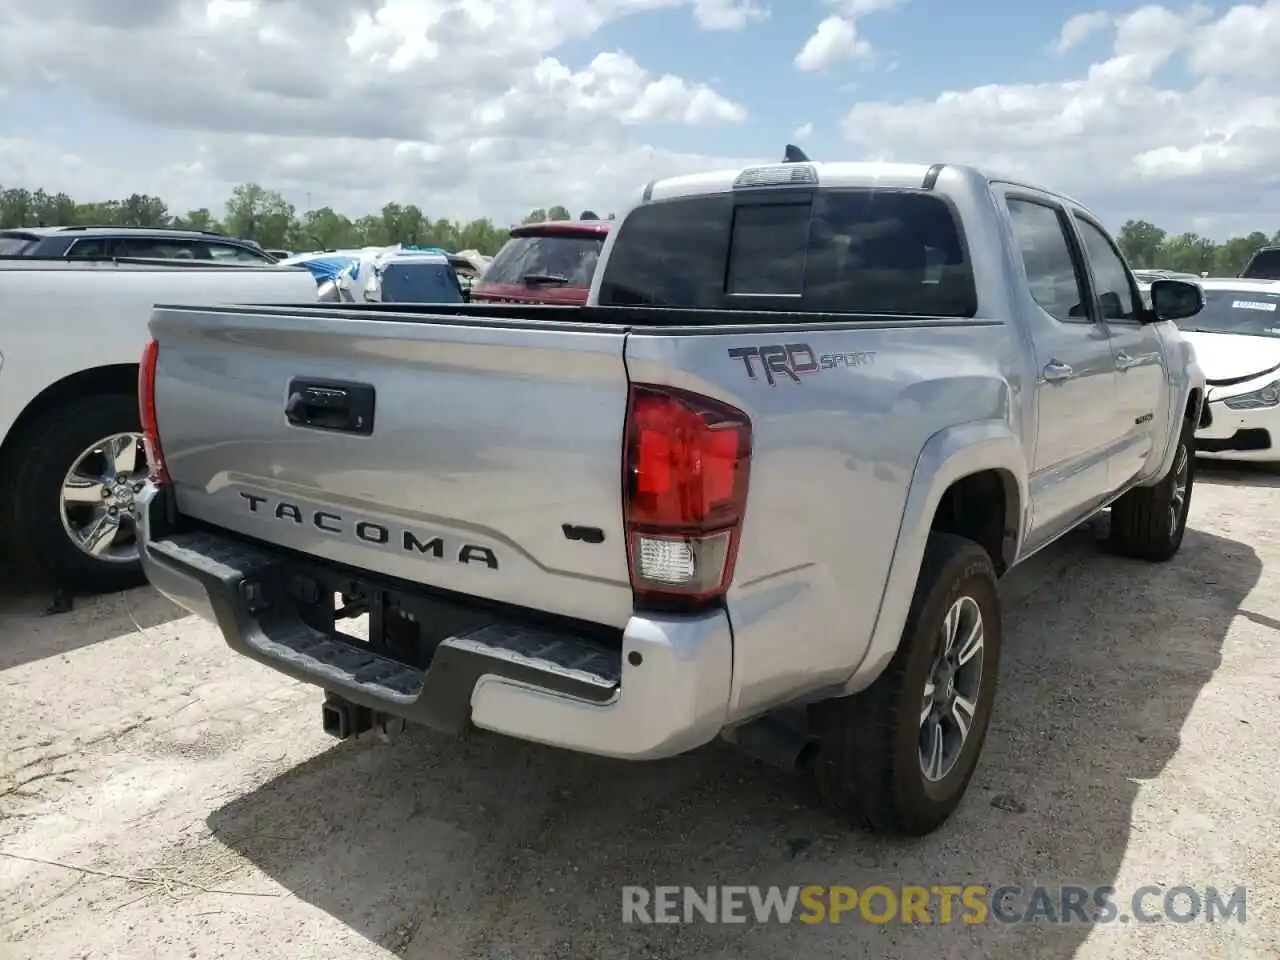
point(326, 267)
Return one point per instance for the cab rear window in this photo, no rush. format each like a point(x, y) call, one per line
point(846, 251)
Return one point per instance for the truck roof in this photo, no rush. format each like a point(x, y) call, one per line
point(882, 173)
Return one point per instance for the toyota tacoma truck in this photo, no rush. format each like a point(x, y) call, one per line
point(761, 486)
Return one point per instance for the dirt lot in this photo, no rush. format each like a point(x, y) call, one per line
point(162, 798)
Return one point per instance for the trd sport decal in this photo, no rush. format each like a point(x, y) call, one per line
point(795, 360)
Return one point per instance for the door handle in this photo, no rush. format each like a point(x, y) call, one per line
point(1055, 372)
point(334, 405)
point(1124, 361)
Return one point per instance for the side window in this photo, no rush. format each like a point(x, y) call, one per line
point(161, 248)
point(1110, 277)
point(233, 254)
point(92, 249)
point(1046, 256)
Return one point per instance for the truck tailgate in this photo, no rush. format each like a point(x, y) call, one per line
point(487, 460)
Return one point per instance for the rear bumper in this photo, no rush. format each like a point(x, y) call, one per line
point(664, 691)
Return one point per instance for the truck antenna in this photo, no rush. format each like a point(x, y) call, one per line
point(793, 154)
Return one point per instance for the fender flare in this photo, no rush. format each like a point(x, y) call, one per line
point(1181, 388)
point(949, 455)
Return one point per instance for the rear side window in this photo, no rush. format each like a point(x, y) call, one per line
point(235, 254)
point(92, 249)
point(13, 244)
point(567, 260)
point(162, 248)
point(858, 251)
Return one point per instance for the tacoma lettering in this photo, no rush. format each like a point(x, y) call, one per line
point(369, 531)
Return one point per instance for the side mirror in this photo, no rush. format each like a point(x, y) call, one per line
point(1176, 299)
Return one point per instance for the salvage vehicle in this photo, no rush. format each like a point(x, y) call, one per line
point(71, 456)
point(762, 486)
point(104, 242)
point(1237, 341)
point(386, 275)
point(550, 262)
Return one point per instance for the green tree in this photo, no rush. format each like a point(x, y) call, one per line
point(325, 229)
point(17, 208)
point(256, 213)
point(1188, 253)
point(142, 210)
point(261, 214)
point(1230, 258)
point(1140, 241)
point(200, 219)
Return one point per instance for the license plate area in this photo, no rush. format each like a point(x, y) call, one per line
point(401, 625)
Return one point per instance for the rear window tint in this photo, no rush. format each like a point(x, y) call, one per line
point(1264, 265)
point(858, 251)
point(568, 257)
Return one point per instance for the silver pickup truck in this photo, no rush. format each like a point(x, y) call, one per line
point(761, 486)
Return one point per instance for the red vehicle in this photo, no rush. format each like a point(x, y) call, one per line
point(549, 262)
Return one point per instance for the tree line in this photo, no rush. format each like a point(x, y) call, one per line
point(255, 213)
point(1146, 245)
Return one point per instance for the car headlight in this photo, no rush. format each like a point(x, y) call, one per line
point(1268, 396)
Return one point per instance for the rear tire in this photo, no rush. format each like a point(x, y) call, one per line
point(1148, 523)
point(58, 441)
point(876, 761)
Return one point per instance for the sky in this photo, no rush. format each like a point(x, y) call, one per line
point(475, 108)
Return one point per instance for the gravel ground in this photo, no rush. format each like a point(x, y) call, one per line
point(162, 798)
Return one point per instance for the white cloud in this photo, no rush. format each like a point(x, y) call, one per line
point(462, 105)
point(1118, 136)
point(728, 14)
point(836, 37)
point(472, 107)
point(1080, 28)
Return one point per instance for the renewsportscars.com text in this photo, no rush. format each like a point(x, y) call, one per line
point(935, 904)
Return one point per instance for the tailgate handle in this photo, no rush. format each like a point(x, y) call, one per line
point(335, 405)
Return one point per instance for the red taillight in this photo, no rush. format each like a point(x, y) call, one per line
point(685, 473)
point(147, 411)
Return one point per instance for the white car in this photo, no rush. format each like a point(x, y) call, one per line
point(1237, 341)
point(71, 452)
